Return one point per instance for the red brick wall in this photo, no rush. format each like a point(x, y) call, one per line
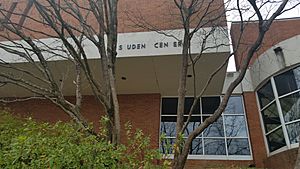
point(279, 31)
point(217, 164)
point(255, 131)
point(283, 160)
point(133, 16)
point(142, 110)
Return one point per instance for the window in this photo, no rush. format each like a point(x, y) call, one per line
point(227, 137)
point(279, 102)
point(288, 81)
point(265, 94)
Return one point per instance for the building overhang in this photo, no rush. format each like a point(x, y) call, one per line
point(148, 62)
point(271, 61)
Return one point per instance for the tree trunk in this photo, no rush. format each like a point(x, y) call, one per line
point(112, 37)
point(179, 163)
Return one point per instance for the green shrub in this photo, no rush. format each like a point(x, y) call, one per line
point(25, 143)
point(138, 151)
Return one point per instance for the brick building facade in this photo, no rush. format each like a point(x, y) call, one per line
point(256, 118)
point(272, 115)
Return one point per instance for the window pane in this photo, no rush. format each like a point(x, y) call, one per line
point(209, 104)
point(234, 106)
point(166, 146)
point(288, 81)
point(169, 106)
point(291, 107)
point(276, 140)
point(238, 146)
point(188, 104)
point(214, 146)
point(214, 130)
point(265, 94)
point(193, 124)
point(297, 76)
point(294, 132)
point(168, 126)
point(271, 117)
point(212, 140)
point(197, 148)
point(235, 126)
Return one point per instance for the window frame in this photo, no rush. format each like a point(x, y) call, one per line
point(225, 138)
point(283, 124)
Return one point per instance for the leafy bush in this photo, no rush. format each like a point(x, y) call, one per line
point(25, 143)
point(139, 152)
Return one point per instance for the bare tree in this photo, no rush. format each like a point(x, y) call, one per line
point(196, 15)
point(71, 25)
point(187, 10)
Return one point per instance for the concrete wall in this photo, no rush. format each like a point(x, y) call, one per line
point(279, 31)
point(268, 63)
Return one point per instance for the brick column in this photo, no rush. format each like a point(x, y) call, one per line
point(255, 131)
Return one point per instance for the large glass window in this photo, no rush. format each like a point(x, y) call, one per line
point(288, 82)
point(290, 106)
point(265, 94)
point(276, 139)
point(271, 117)
point(227, 137)
point(279, 102)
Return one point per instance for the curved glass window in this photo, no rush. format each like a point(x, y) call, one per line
point(271, 117)
point(227, 137)
point(290, 106)
point(279, 102)
point(265, 94)
point(276, 139)
point(288, 82)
